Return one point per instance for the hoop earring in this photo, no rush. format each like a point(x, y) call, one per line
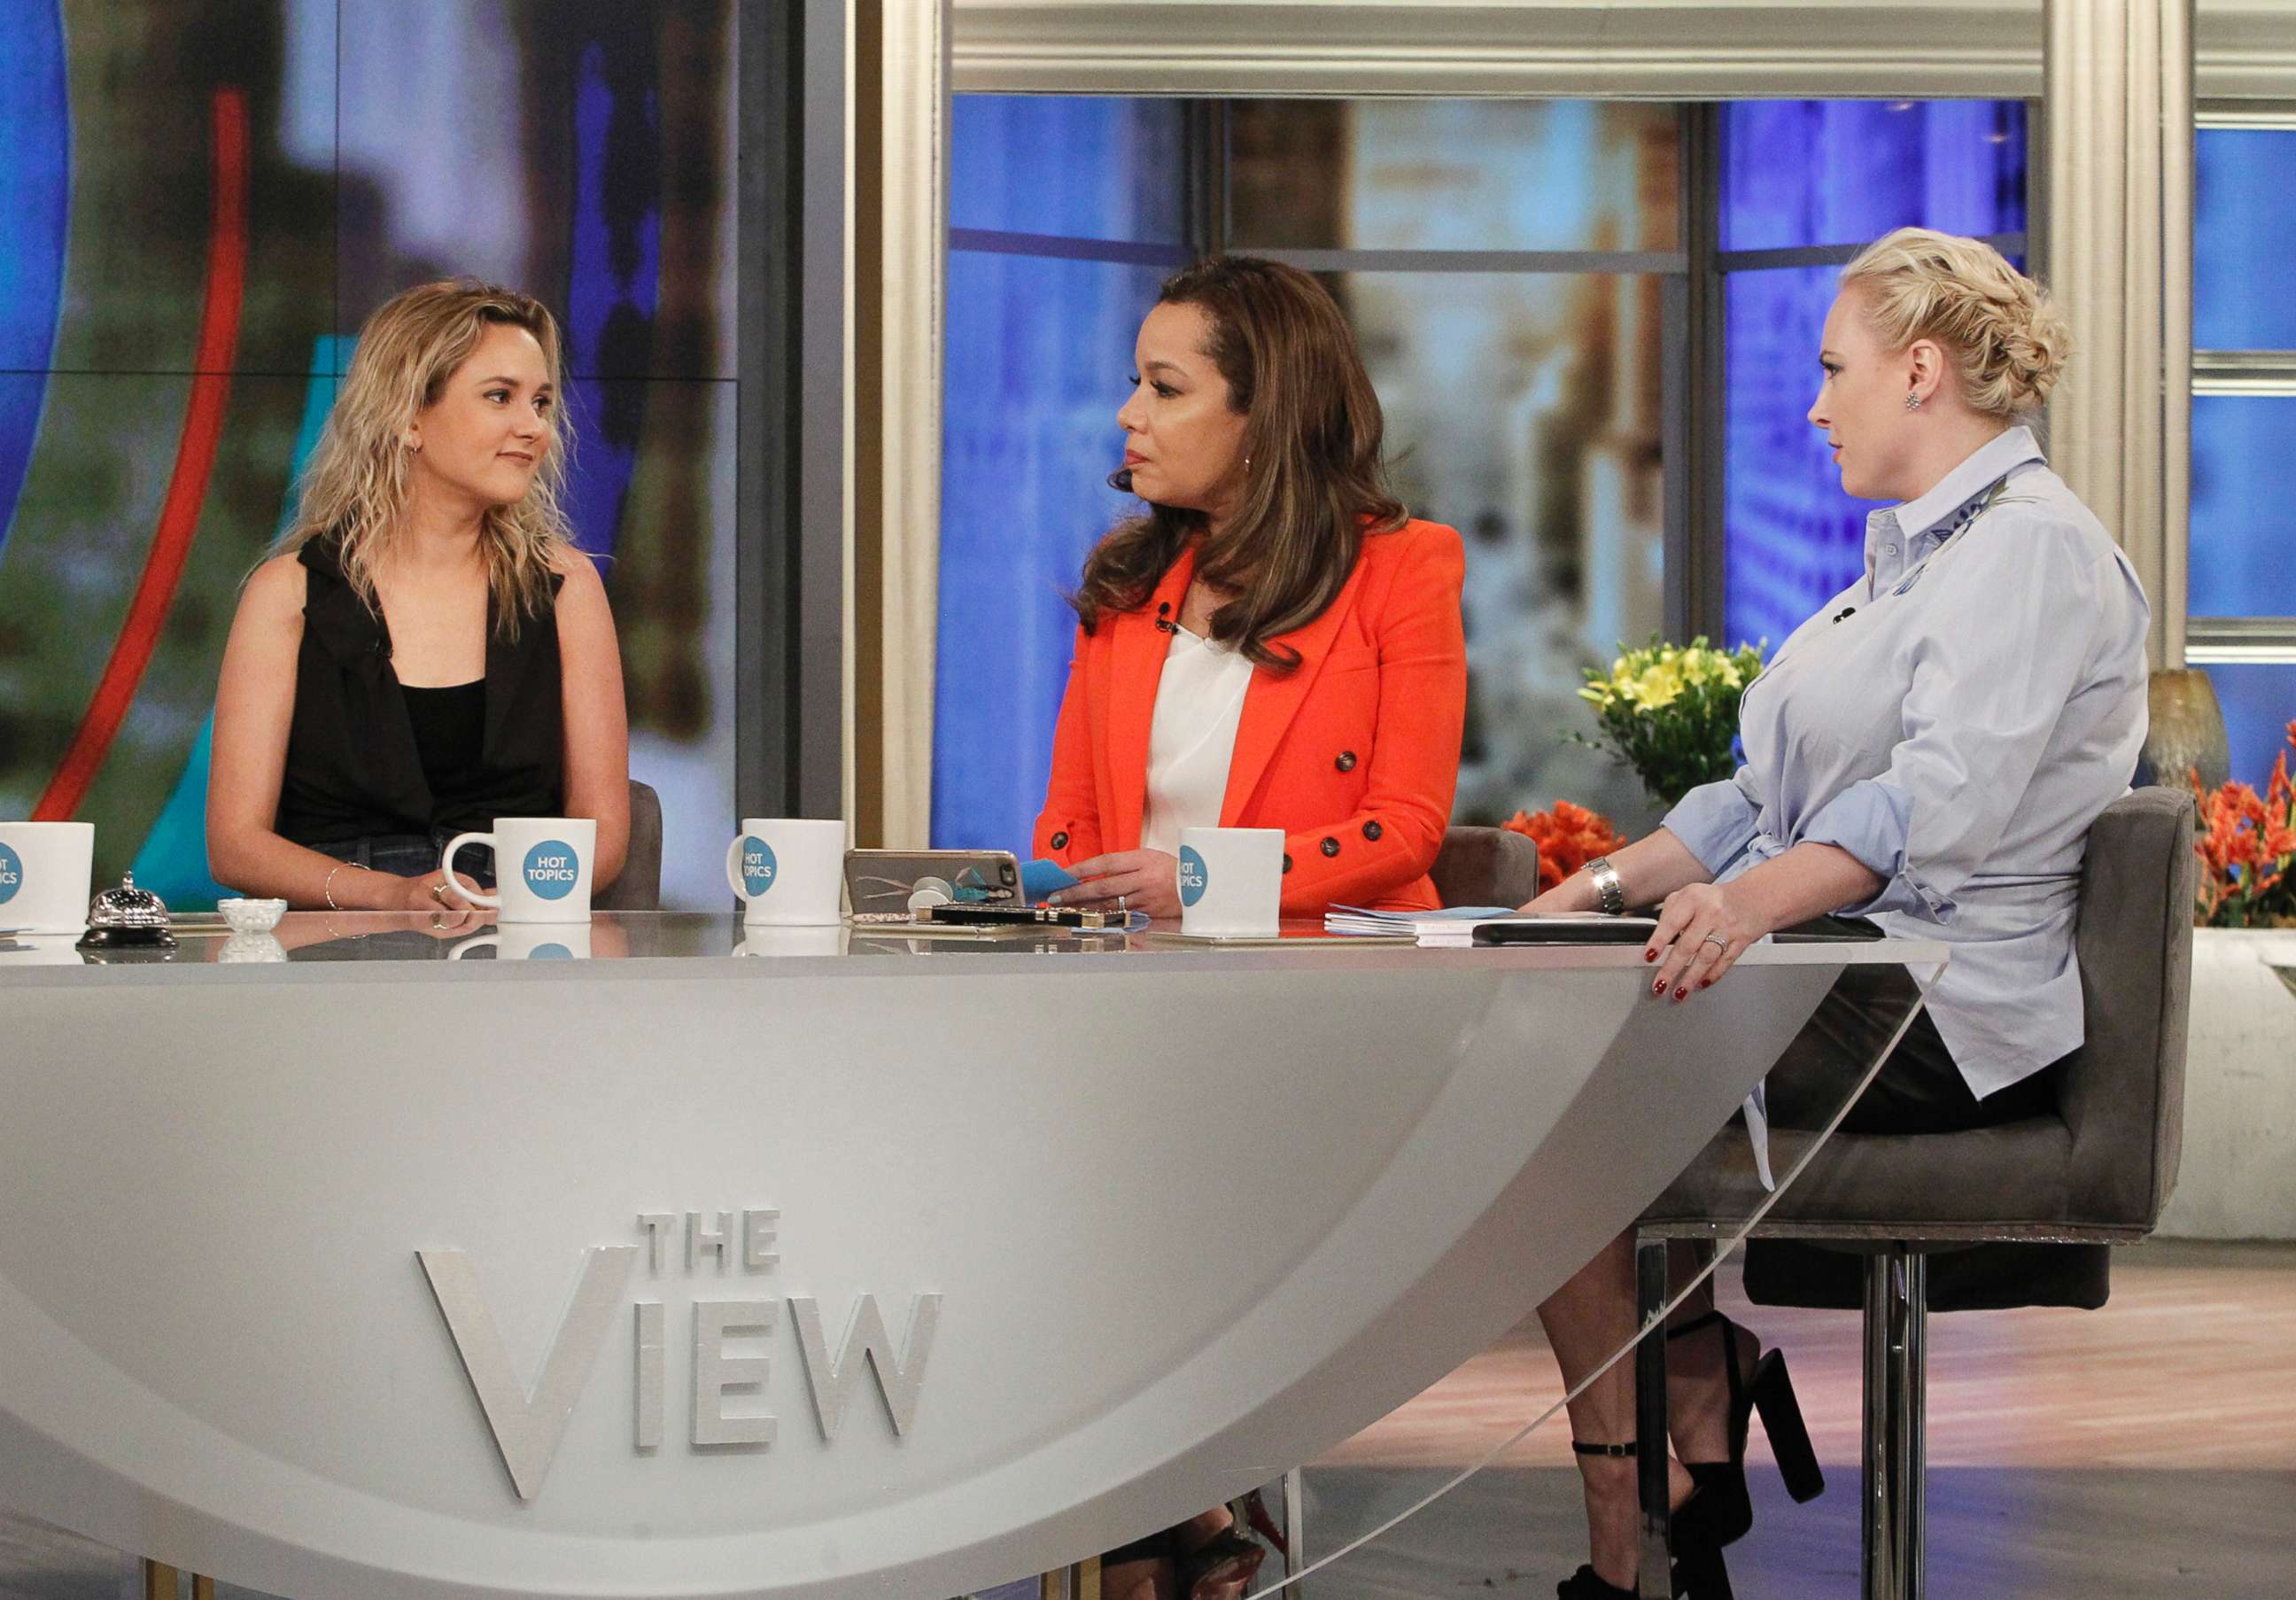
point(1912, 401)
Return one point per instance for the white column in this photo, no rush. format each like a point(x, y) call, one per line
point(2118, 109)
point(902, 109)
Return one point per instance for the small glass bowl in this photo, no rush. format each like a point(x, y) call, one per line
point(251, 946)
point(252, 917)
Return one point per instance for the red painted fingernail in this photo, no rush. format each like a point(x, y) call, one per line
point(1650, 955)
point(1705, 982)
point(1680, 993)
point(1658, 988)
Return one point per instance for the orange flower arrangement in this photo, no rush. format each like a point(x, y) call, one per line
point(2247, 845)
point(1567, 837)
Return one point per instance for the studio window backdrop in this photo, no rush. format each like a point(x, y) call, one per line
point(2242, 581)
point(1805, 185)
point(204, 199)
point(1516, 272)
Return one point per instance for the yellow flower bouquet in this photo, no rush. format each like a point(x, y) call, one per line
point(1671, 712)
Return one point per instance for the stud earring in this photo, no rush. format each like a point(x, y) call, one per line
point(1912, 401)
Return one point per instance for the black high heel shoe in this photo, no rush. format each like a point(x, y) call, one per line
point(1221, 1568)
point(1720, 1511)
point(1587, 1584)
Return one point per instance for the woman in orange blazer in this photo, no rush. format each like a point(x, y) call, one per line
point(1273, 554)
point(1273, 645)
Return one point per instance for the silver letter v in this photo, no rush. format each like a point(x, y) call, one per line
point(528, 1427)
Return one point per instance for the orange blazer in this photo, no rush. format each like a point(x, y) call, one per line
point(1354, 755)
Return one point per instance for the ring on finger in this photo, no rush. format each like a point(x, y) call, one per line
point(1717, 940)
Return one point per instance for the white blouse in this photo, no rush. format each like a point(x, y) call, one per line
point(1199, 702)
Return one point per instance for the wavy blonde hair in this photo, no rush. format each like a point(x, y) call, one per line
point(2004, 337)
point(356, 487)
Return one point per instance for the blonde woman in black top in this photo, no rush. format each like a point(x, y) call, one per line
point(427, 649)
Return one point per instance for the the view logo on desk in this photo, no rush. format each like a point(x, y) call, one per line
point(11, 874)
point(1194, 875)
point(729, 1393)
point(553, 868)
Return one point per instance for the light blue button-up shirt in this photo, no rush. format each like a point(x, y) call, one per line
point(1957, 732)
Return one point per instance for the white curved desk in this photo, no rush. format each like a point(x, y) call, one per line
point(218, 1346)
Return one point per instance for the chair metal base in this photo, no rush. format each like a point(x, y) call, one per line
point(1294, 1491)
point(1896, 1307)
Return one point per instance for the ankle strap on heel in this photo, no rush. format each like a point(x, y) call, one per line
point(1703, 1320)
point(1614, 1451)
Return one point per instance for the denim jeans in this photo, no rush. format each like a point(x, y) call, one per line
point(410, 855)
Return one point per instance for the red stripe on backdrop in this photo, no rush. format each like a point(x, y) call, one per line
point(187, 485)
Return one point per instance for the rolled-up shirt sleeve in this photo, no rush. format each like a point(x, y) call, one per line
point(1985, 697)
point(1716, 821)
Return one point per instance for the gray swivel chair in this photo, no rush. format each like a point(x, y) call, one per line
point(639, 888)
point(2096, 1173)
point(1486, 866)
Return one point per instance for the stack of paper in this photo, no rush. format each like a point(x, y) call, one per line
point(1454, 927)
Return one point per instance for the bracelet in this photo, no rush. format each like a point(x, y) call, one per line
point(1609, 892)
point(327, 890)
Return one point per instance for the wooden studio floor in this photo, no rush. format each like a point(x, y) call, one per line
point(2148, 1448)
point(2145, 1449)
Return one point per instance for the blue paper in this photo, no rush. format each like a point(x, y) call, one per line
point(1040, 878)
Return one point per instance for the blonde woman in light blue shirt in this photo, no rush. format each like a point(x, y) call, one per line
point(1927, 752)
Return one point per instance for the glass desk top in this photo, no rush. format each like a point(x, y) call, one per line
point(375, 938)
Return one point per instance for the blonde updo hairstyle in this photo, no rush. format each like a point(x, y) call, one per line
point(356, 487)
point(2003, 334)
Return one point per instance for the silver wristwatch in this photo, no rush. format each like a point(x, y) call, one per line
point(1609, 892)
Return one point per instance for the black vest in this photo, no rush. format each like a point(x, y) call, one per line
point(352, 769)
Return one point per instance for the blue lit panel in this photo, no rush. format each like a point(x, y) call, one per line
point(2259, 703)
point(2243, 240)
point(1792, 538)
point(1804, 172)
point(1071, 165)
point(1038, 351)
point(2243, 524)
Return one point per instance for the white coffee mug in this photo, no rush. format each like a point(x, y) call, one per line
point(542, 868)
point(788, 870)
point(530, 941)
point(1231, 881)
point(45, 869)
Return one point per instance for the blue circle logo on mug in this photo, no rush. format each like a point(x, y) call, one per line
point(11, 874)
point(550, 953)
point(758, 867)
point(1194, 877)
point(552, 868)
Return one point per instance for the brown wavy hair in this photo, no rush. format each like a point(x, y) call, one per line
point(356, 489)
point(1315, 487)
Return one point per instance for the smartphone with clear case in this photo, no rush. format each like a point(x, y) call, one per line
point(899, 885)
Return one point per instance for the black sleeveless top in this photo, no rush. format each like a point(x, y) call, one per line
point(354, 766)
point(450, 739)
